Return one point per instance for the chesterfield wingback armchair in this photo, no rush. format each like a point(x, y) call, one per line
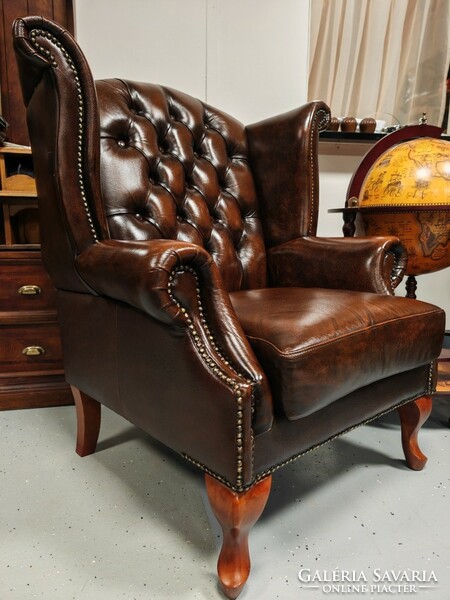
point(194, 297)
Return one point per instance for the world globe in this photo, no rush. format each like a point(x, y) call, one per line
point(406, 193)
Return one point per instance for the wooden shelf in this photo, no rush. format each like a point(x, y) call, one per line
point(9, 148)
point(28, 319)
point(23, 316)
point(18, 197)
point(443, 382)
point(12, 247)
point(343, 136)
point(14, 194)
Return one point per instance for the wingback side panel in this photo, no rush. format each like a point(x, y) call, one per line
point(60, 96)
point(284, 160)
point(175, 168)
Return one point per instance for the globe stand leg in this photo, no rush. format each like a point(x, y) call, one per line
point(411, 287)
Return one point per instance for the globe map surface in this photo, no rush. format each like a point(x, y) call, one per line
point(406, 193)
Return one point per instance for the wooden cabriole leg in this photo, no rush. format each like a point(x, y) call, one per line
point(236, 512)
point(412, 416)
point(88, 422)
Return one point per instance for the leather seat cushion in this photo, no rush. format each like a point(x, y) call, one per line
point(317, 345)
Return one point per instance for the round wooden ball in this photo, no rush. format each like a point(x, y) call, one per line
point(333, 125)
point(367, 125)
point(348, 124)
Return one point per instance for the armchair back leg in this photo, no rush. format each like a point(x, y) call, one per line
point(412, 416)
point(88, 422)
point(236, 512)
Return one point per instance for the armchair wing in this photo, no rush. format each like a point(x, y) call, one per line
point(284, 158)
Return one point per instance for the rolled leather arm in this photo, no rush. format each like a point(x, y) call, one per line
point(366, 264)
point(138, 272)
point(179, 284)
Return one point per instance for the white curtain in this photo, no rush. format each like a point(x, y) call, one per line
point(383, 58)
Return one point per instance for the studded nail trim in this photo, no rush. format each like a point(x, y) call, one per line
point(239, 487)
point(322, 117)
point(35, 34)
point(238, 388)
point(429, 390)
point(263, 474)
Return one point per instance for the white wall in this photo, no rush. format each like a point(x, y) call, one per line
point(247, 57)
point(257, 56)
point(159, 41)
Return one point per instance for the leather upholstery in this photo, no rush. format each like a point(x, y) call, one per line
point(288, 440)
point(175, 168)
point(192, 287)
point(137, 367)
point(139, 274)
point(56, 117)
point(284, 160)
point(317, 345)
point(333, 263)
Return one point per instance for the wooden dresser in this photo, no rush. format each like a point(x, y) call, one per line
point(31, 371)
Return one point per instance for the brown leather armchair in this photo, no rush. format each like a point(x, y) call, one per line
point(194, 298)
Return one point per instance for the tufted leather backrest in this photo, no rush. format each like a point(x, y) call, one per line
point(172, 167)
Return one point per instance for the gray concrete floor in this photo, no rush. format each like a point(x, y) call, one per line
point(132, 521)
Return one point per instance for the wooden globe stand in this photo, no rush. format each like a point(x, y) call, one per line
point(411, 287)
point(352, 213)
point(405, 134)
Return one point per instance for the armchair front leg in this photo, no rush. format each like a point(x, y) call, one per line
point(236, 512)
point(412, 416)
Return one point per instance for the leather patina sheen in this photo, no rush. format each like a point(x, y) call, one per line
point(194, 296)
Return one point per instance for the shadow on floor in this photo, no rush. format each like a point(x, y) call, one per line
point(160, 476)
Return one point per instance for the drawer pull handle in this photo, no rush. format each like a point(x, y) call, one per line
point(30, 290)
point(33, 351)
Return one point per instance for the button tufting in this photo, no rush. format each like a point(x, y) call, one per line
point(189, 177)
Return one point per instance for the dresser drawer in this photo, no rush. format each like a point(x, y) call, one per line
point(25, 287)
point(30, 348)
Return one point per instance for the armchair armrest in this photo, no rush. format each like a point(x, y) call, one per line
point(179, 284)
point(138, 273)
point(369, 264)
